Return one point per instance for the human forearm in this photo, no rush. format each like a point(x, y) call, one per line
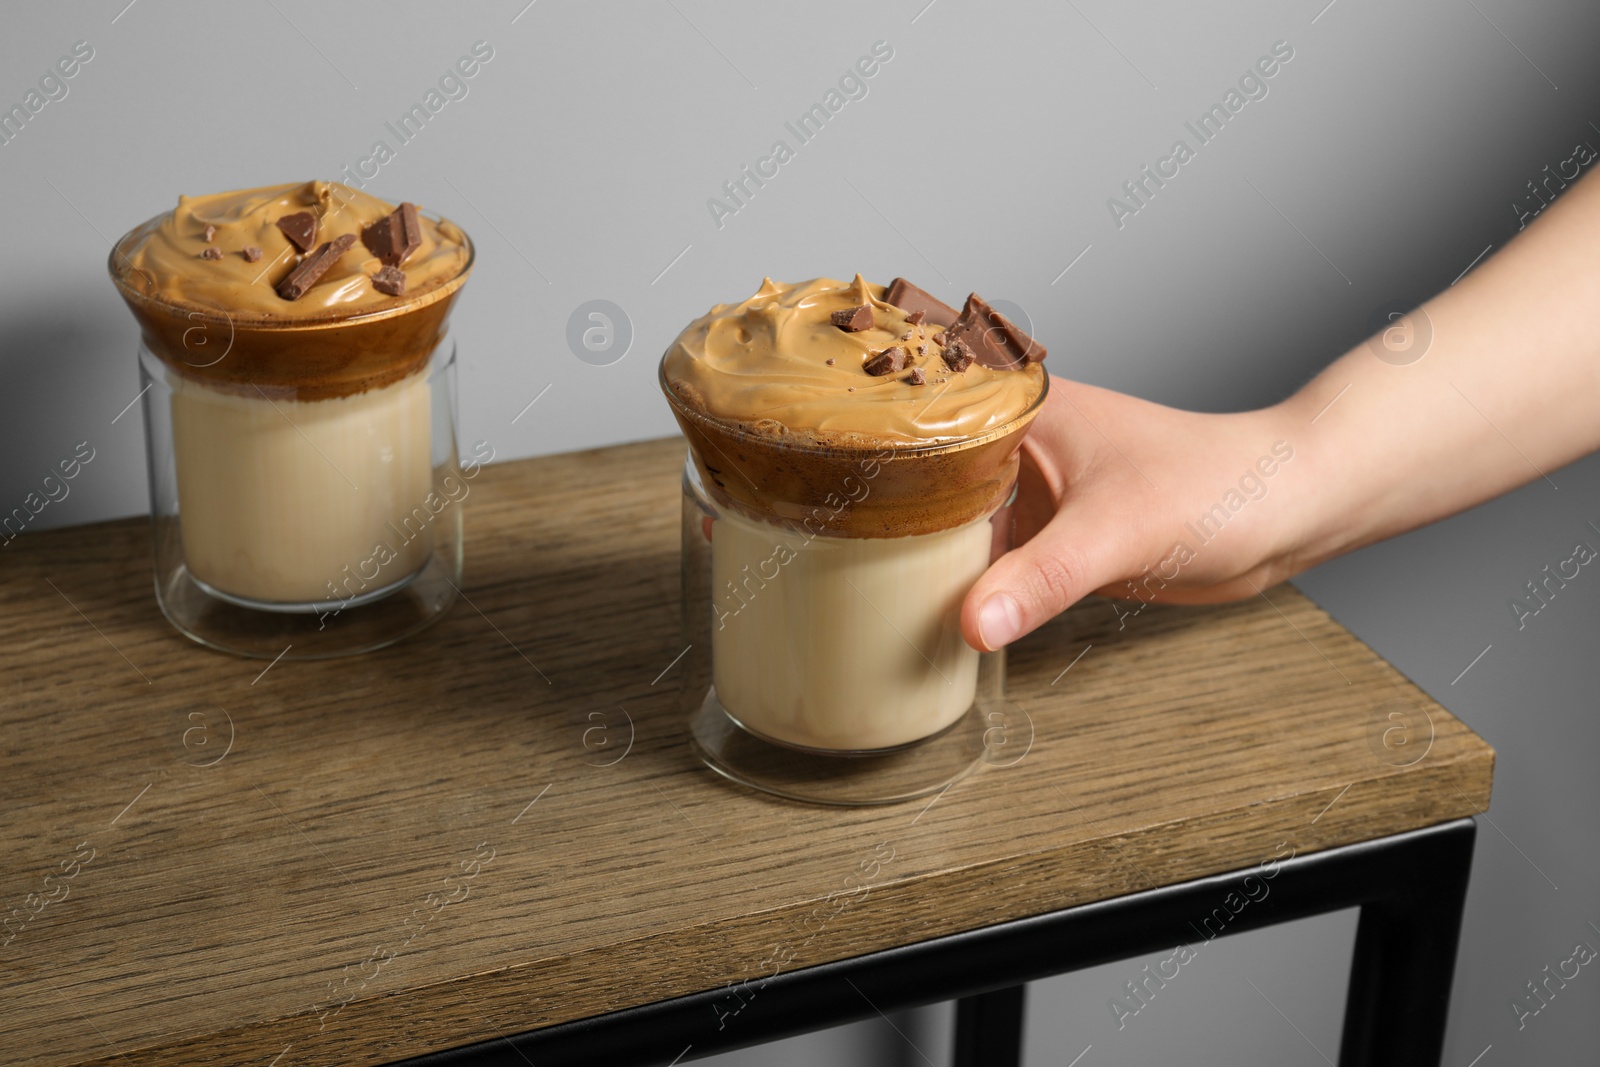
point(1508, 391)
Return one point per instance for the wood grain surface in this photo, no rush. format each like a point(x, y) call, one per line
point(358, 860)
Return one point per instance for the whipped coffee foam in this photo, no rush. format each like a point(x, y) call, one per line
point(776, 365)
point(167, 259)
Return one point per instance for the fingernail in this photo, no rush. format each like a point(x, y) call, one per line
point(998, 621)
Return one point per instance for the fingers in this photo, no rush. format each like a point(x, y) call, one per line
point(1069, 559)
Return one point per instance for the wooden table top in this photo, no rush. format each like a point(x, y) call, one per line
point(420, 848)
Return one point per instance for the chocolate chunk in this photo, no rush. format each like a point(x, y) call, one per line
point(889, 361)
point(916, 317)
point(957, 355)
point(301, 229)
point(314, 266)
point(391, 280)
point(854, 320)
point(211, 253)
point(251, 254)
point(916, 377)
point(907, 297)
point(939, 338)
point(830, 361)
point(211, 231)
point(395, 236)
point(995, 340)
point(412, 228)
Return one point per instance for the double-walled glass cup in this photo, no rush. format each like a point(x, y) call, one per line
point(822, 591)
point(305, 486)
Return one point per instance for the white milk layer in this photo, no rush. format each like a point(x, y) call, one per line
point(843, 643)
point(277, 498)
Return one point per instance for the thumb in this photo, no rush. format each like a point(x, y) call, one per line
point(1067, 560)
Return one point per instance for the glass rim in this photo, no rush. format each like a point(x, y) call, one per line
point(256, 321)
point(921, 448)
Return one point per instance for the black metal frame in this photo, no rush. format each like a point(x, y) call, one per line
point(1411, 889)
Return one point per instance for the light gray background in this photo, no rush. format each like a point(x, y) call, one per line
point(1383, 161)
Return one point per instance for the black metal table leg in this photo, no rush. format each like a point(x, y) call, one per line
point(1405, 958)
point(989, 1028)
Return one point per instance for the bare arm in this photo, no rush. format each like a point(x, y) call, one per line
point(1139, 500)
point(1509, 392)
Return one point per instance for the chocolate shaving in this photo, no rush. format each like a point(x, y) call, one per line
point(889, 361)
point(211, 253)
point(251, 254)
point(916, 317)
point(957, 355)
point(916, 377)
point(301, 229)
point(211, 231)
point(854, 320)
point(314, 266)
point(395, 236)
point(995, 340)
point(908, 298)
point(391, 280)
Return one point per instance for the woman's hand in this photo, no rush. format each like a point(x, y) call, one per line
point(1132, 499)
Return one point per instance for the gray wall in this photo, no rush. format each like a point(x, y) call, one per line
point(982, 157)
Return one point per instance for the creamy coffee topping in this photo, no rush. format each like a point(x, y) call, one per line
point(777, 365)
point(226, 252)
